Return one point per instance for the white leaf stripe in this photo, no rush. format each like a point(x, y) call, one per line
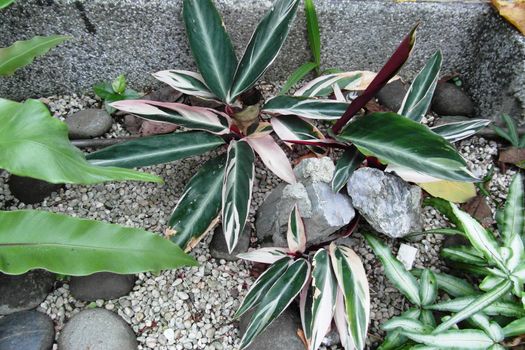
point(497, 308)
point(306, 108)
point(189, 83)
point(405, 324)
point(454, 339)
point(296, 235)
point(272, 156)
point(457, 131)
point(513, 211)
point(267, 255)
point(345, 166)
point(427, 287)
point(323, 86)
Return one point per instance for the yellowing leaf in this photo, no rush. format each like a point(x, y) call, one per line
point(513, 12)
point(457, 192)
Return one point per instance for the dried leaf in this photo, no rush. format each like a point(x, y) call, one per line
point(512, 156)
point(457, 192)
point(479, 209)
point(513, 12)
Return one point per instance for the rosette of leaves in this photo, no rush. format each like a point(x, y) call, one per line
point(331, 283)
point(488, 316)
point(117, 90)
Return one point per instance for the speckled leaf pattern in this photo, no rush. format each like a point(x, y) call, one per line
point(296, 234)
point(211, 46)
point(419, 96)
point(351, 279)
point(468, 339)
point(399, 140)
point(189, 83)
point(267, 255)
point(158, 149)
point(199, 207)
point(277, 299)
point(457, 131)
point(30, 138)
point(345, 166)
point(264, 45)
point(237, 191)
point(72, 246)
point(304, 107)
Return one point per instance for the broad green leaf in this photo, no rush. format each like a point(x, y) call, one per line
point(43, 151)
point(304, 107)
point(453, 286)
point(158, 149)
point(296, 234)
point(199, 206)
point(198, 118)
point(515, 328)
point(479, 304)
point(419, 95)
point(324, 85)
point(453, 191)
point(399, 140)
point(267, 255)
point(297, 75)
point(211, 46)
point(394, 270)
point(5, 3)
point(265, 44)
point(492, 329)
point(428, 287)
point(345, 166)
point(352, 281)
point(394, 340)
point(502, 308)
point(312, 27)
point(237, 191)
point(454, 132)
point(187, 82)
point(277, 299)
point(513, 211)
point(22, 53)
point(405, 324)
point(467, 339)
point(262, 285)
point(463, 254)
point(71, 246)
point(294, 128)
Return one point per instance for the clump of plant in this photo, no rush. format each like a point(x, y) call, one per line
point(511, 133)
point(117, 90)
point(487, 316)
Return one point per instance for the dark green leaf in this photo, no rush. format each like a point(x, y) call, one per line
point(312, 26)
point(345, 166)
point(305, 107)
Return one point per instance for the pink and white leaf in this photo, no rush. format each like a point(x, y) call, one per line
point(296, 235)
point(272, 156)
point(267, 255)
point(189, 83)
point(340, 322)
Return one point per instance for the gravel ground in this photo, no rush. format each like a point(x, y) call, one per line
point(192, 308)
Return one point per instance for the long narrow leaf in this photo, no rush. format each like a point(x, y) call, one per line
point(297, 75)
point(515, 328)
point(188, 83)
point(394, 340)
point(451, 285)
point(513, 210)
point(341, 322)
point(267, 255)
point(454, 132)
point(502, 308)
point(463, 254)
point(468, 339)
point(492, 329)
point(324, 85)
point(405, 324)
point(293, 128)
point(304, 107)
point(428, 287)
point(345, 166)
point(312, 27)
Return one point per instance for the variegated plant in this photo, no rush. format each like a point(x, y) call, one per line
point(331, 283)
point(488, 316)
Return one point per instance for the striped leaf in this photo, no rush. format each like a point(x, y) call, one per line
point(188, 83)
point(341, 322)
point(490, 282)
point(43, 151)
point(513, 210)
point(210, 44)
point(453, 286)
point(394, 270)
point(267, 255)
point(277, 299)
point(467, 339)
point(454, 132)
point(297, 75)
point(502, 308)
point(324, 85)
point(237, 191)
point(304, 107)
point(262, 285)
point(158, 149)
point(318, 304)
point(351, 278)
point(198, 118)
point(428, 287)
point(405, 324)
point(399, 140)
point(272, 156)
point(515, 328)
point(293, 128)
point(394, 340)
point(345, 166)
point(492, 329)
point(265, 44)
point(419, 96)
point(66, 245)
point(198, 209)
point(427, 318)
point(463, 254)
point(296, 234)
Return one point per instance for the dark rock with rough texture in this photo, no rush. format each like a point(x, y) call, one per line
point(97, 329)
point(391, 96)
point(101, 285)
point(389, 204)
point(219, 249)
point(27, 330)
point(89, 123)
point(451, 100)
point(24, 292)
point(281, 334)
point(29, 190)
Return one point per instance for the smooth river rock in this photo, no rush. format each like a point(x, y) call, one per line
point(88, 123)
point(101, 285)
point(27, 330)
point(24, 292)
point(449, 100)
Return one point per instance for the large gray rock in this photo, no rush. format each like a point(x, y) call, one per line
point(97, 329)
point(89, 123)
point(24, 292)
point(450, 100)
point(219, 249)
point(27, 330)
point(389, 204)
point(102, 285)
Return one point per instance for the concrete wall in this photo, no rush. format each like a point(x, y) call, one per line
point(137, 37)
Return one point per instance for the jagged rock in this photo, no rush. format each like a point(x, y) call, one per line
point(407, 255)
point(102, 285)
point(219, 249)
point(389, 204)
point(315, 170)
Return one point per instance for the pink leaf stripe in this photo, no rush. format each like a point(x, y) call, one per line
point(272, 156)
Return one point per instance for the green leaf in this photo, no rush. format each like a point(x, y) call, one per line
point(296, 235)
point(22, 53)
point(428, 287)
point(345, 166)
point(479, 304)
point(419, 96)
point(352, 281)
point(277, 299)
point(502, 308)
point(262, 285)
point(265, 44)
point(5, 3)
point(324, 85)
point(297, 75)
point(394, 340)
point(23, 149)
point(467, 339)
point(427, 318)
point(266, 255)
point(71, 246)
point(237, 191)
point(293, 128)
point(305, 107)
point(405, 324)
point(211, 46)
point(187, 82)
point(394, 270)
point(457, 131)
point(445, 209)
point(513, 211)
point(158, 149)
point(399, 140)
point(119, 85)
point(199, 206)
point(515, 328)
point(463, 254)
point(492, 329)
point(312, 26)
point(451, 285)
point(512, 130)
point(105, 91)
